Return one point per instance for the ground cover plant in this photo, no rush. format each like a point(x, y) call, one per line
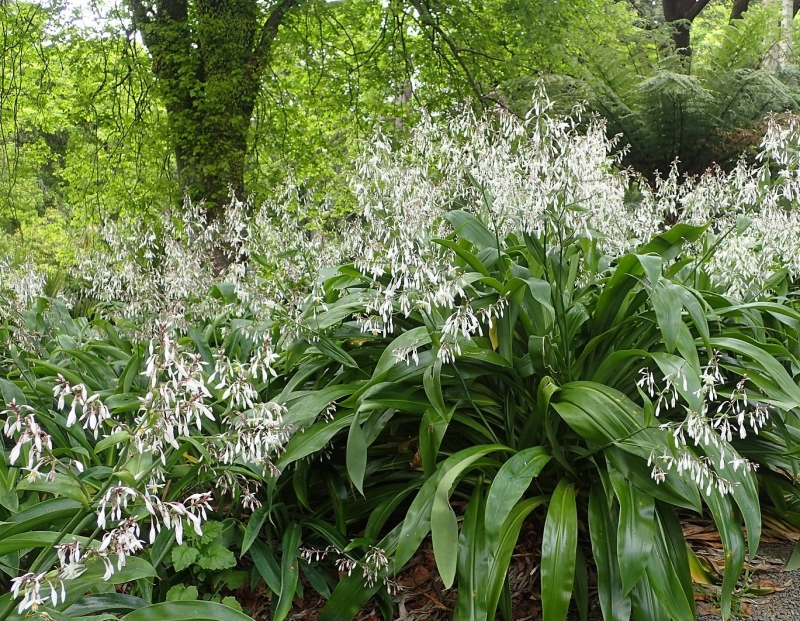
point(506, 331)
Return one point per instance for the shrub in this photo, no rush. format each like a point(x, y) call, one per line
point(499, 326)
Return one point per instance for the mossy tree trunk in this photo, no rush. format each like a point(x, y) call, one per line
point(208, 57)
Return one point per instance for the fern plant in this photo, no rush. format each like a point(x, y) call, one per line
point(711, 116)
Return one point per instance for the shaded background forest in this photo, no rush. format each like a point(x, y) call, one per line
point(116, 110)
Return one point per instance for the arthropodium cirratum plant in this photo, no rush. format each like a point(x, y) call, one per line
point(508, 323)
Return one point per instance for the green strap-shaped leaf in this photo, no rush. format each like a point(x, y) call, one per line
point(105, 602)
point(469, 258)
point(473, 561)
point(676, 548)
point(49, 512)
point(253, 528)
point(303, 408)
point(348, 598)
point(615, 606)
point(266, 565)
point(356, 455)
point(186, 611)
point(635, 531)
point(664, 580)
point(326, 345)
point(468, 227)
point(580, 586)
point(444, 533)
point(418, 337)
point(290, 571)
point(622, 422)
point(417, 522)
point(764, 360)
point(667, 306)
point(676, 490)
point(444, 524)
point(559, 545)
point(645, 603)
point(510, 483)
point(313, 439)
point(507, 541)
point(732, 545)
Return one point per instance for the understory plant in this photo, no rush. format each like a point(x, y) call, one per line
point(499, 336)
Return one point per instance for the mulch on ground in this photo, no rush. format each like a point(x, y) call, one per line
point(767, 593)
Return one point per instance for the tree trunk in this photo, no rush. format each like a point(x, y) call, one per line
point(208, 58)
point(681, 38)
point(787, 25)
point(739, 7)
point(679, 14)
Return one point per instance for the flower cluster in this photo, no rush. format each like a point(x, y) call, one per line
point(373, 565)
point(254, 436)
point(21, 420)
point(93, 412)
point(712, 426)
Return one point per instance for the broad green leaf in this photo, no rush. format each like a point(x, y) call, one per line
point(48, 512)
point(580, 586)
point(11, 392)
point(444, 533)
point(559, 546)
point(290, 571)
point(432, 382)
point(645, 603)
point(675, 490)
point(473, 561)
point(186, 611)
point(508, 486)
point(182, 593)
point(253, 528)
point(765, 361)
point(305, 407)
point(677, 549)
point(61, 485)
point(665, 581)
point(311, 440)
point(416, 337)
point(733, 545)
point(500, 557)
point(469, 258)
point(667, 306)
point(615, 605)
point(266, 565)
point(33, 539)
point(622, 422)
point(417, 522)
point(183, 556)
point(356, 455)
point(348, 598)
point(635, 531)
point(683, 376)
point(669, 243)
point(216, 558)
point(92, 580)
point(112, 440)
point(334, 351)
point(467, 226)
point(105, 602)
point(745, 491)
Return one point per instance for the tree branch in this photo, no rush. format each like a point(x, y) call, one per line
point(263, 49)
point(428, 20)
point(739, 7)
